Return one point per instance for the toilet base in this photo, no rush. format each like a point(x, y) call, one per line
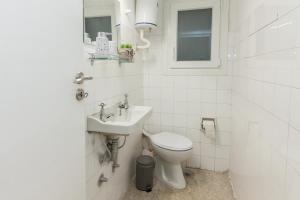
point(169, 173)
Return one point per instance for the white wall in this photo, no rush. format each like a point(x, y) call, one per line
point(181, 101)
point(110, 83)
point(265, 152)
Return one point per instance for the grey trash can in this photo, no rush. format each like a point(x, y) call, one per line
point(144, 173)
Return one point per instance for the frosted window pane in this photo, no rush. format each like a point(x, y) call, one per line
point(194, 35)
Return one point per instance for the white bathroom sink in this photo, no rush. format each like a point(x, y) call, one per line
point(129, 122)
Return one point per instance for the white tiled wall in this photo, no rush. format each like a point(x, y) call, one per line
point(263, 89)
point(110, 83)
point(181, 101)
point(265, 154)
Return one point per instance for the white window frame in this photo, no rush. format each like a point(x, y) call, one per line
point(175, 7)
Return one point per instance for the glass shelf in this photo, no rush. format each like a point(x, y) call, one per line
point(93, 57)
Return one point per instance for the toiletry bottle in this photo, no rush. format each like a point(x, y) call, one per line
point(87, 39)
point(102, 45)
point(113, 52)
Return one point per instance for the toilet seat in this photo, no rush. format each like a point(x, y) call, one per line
point(171, 141)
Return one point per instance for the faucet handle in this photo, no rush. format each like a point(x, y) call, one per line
point(121, 105)
point(102, 105)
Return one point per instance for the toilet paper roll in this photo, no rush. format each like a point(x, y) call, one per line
point(209, 129)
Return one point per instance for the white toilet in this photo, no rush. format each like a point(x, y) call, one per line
point(171, 149)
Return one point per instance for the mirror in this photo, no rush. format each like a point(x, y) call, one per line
point(100, 16)
point(102, 30)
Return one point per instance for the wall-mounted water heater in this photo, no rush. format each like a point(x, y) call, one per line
point(146, 19)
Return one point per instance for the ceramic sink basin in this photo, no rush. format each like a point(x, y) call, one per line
point(129, 122)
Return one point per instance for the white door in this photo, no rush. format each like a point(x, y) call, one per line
point(42, 124)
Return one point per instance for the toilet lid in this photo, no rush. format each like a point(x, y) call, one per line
point(171, 141)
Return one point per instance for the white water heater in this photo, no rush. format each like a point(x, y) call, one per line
point(146, 14)
point(146, 18)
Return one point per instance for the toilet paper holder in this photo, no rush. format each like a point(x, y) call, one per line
point(207, 119)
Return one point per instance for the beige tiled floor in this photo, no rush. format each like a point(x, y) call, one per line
point(202, 185)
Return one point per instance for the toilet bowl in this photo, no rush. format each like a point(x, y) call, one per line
point(171, 150)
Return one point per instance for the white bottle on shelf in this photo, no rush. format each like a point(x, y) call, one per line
point(113, 52)
point(102, 45)
point(87, 39)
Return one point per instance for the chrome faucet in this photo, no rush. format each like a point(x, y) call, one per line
point(124, 105)
point(103, 116)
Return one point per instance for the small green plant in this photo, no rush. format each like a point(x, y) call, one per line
point(128, 46)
